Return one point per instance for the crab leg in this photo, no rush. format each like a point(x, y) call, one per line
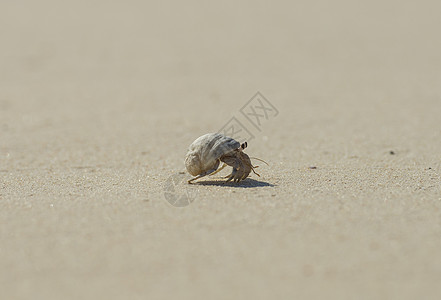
point(202, 175)
point(218, 170)
point(231, 176)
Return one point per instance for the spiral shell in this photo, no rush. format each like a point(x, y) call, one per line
point(205, 152)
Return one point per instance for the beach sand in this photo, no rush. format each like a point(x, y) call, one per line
point(99, 103)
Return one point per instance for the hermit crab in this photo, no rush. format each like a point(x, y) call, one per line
point(206, 152)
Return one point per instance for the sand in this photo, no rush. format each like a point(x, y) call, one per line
point(99, 102)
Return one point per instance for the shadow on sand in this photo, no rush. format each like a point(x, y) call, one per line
point(247, 183)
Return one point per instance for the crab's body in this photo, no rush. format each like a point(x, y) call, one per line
point(206, 152)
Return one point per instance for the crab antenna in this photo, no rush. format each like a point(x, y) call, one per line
point(260, 160)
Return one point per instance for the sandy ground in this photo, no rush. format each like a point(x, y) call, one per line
point(99, 102)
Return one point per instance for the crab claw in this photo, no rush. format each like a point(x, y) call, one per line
point(241, 164)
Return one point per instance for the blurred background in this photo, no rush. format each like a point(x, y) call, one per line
point(111, 66)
